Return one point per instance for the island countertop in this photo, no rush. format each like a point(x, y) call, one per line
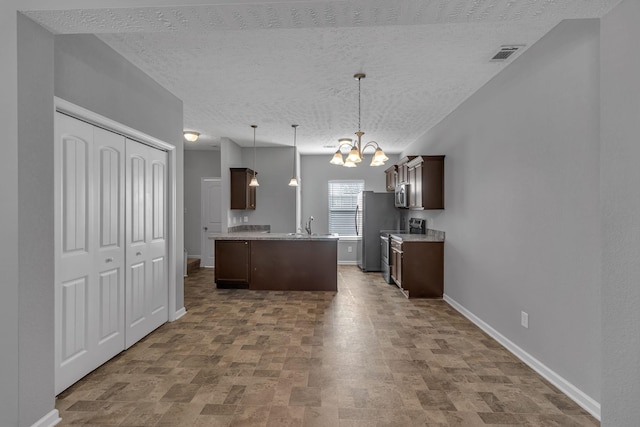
point(257, 235)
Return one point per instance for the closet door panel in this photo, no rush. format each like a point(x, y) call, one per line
point(158, 242)
point(74, 275)
point(146, 284)
point(110, 307)
point(158, 288)
point(74, 320)
point(136, 240)
point(109, 255)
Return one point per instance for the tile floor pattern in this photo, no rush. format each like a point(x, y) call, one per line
point(365, 356)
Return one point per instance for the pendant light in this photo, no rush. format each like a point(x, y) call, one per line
point(294, 180)
point(355, 153)
point(254, 180)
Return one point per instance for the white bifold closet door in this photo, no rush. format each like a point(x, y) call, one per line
point(146, 244)
point(89, 238)
point(106, 296)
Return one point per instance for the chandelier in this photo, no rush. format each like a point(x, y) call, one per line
point(355, 153)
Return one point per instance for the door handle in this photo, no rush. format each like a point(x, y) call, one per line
point(138, 253)
point(108, 260)
point(205, 228)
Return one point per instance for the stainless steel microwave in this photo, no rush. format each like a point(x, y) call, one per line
point(402, 196)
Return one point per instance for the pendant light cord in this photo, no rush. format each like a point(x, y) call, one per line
point(254, 150)
point(295, 131)
point(359, 78)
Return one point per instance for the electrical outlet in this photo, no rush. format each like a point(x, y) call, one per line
point(246, 219)
point(524, 319)
point(234, 219)
point(349, 249)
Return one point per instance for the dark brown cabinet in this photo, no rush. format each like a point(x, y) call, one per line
point(296, 264)
point(232, 262)
point(391, 177)
point(426, 182)
point(243, 196)
point(418, 268)
point(403, 170)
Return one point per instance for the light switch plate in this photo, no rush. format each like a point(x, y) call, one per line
point(524, 319)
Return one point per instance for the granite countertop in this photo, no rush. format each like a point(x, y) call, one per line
point(253, 235)
point(431, 235)
point(406, 237)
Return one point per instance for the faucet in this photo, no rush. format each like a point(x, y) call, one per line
point(307, 226)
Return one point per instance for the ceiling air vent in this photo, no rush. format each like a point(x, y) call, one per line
point(505, 52)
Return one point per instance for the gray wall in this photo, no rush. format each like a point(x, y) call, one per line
point(275, 200)
point(620, 200)
point(91, 74)
point(197, 164)
point(230, 157)
point(35, 227)
point(522, 212)
point(9, 241)
point(84, 71)
point(316, 172)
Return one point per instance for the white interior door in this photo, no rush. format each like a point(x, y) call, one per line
point(211, 218)
point(146, 244)
point(89, 252)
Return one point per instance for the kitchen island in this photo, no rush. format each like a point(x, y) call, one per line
point(276, 261)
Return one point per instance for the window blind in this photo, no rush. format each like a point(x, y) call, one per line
point(343, 200)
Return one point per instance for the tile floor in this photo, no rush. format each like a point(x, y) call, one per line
point(365, 356)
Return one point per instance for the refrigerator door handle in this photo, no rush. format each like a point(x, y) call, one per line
point(356, 220)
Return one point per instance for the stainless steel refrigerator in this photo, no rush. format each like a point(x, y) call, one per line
point(375, 212)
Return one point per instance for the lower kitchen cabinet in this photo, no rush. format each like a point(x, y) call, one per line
point(417, 267)
point(233, 263)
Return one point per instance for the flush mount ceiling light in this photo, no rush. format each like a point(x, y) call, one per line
point(190, 135)
point(254, 180)
point(355, 153)
point(294, 180)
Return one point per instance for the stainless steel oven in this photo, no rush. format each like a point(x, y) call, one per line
point(384, 257)
point(416, 226)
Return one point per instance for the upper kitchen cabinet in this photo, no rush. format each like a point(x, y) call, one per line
point(403, 170)
point(243, 196)
point(391, 177)
point(426, 182)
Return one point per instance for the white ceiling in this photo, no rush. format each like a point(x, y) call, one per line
point(291, 61)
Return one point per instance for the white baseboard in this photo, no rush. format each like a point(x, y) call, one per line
point(347, 262)
point(49, 420)
point(178, 314)
point(573, 392)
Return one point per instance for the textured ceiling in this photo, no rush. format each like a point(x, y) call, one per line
point(273, 64)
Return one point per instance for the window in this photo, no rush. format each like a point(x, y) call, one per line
point(343, 200)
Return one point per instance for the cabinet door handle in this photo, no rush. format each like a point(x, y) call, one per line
point(138, 253)
point(108, 260)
